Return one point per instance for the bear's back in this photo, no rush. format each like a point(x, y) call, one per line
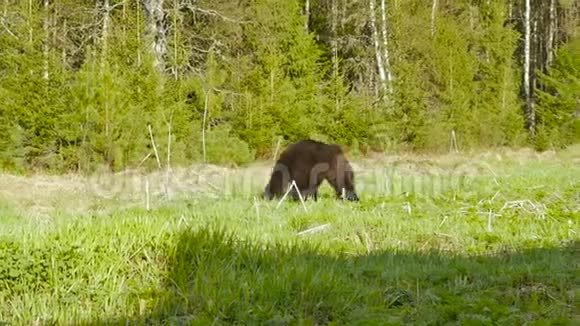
point(309, 152)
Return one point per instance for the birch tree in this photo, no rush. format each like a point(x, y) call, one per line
point(307, 14)
point(105, 28)
point(156, 31)
point(45, 46)
point(433, 12)
point(334, 37)
point(378, 55)
point(530, 116)
point(389, 74)
point(106, 10)
point(551, 31)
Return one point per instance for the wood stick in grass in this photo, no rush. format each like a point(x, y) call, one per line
point(277, 149)
point(293, 184)
point(315, 229)
point(143, 160)
point(154, 147)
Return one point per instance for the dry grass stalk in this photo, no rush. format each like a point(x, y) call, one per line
point(444, 220)
point(143, 160)
point(489, 220)
point(277, 149)
point(527, 205)
point(293, 185)
point(205, 111)
point(154, 146)
point(315, 229)
point(453, 143)
point(368, 242)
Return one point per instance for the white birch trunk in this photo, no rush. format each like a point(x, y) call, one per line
point(30, 31)
point(551, 32)
point(334, 48)
point(527, 64)
point(205, 111)
point(156, 31)
point(433, 12)
point(333, 43)
point(307, 14)
point(535, 44)
point(527, 41)
point(138, 33)
point(386, 55)
point(175, 31)
point(106, 20)
point(378, 55)
point(64, 30)
point(45, 74)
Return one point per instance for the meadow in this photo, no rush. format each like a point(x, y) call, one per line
point(473, 239)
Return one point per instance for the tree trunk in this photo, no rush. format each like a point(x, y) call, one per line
point(333, 42)
point(138, 32)
point(388, 72)
point(378, 55)
point(433, 11)
point(175, 42)
point(105, 31)
point(45, 74)
point(307, 14)
point(156, 31)
point(334, 50)
point(529, 110)
point(64, 31)
point(551, 31)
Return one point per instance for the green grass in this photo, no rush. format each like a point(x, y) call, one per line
point(498, 246)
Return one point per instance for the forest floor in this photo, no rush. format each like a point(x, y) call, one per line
point(486, 238)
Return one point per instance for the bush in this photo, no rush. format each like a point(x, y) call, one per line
point(225, 149)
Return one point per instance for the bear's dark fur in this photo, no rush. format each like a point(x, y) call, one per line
point(308, 163)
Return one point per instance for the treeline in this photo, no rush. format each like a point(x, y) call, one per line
point(112, 82)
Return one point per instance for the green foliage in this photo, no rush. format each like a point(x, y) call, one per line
point(79, 94)
point(223, 148)
point(37, 269)
point(559, 104)
point(31, 105)
point(281, 93)
point(345, 117)
point(460, 78)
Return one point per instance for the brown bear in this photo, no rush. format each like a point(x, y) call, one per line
point(308, 163)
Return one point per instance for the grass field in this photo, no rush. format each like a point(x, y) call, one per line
point(486, 239)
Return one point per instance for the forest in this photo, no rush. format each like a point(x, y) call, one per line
point(109, 83)
point(137, 138)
